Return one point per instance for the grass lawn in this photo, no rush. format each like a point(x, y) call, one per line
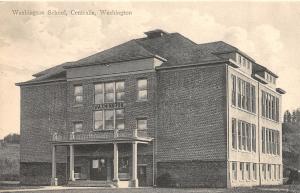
point(278, 189)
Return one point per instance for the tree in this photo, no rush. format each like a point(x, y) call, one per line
point(12, 138)
point(287, 118)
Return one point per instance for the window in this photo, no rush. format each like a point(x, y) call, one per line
point(270, 141)
point(244, 141)
point(99, 94)
point(242, 170)
point(267, 141)
point(270, 106)
point(269, 171)
point(240, 134)
point(239, 93)
point(234, 134)
point(142, 89)
point(253, 138)
point(277, 109)
point(278, 142)
point(248, 96)
point(141, 123)
point(263, 104)
point(77, 126)
point(78, 94)
point(279, 176)
point(253, 99)
point(109, 92)
point(120, 119)
point(120, 91)
point(109, 119)
point(98, 120)
point(274, 172)
point(248, 136)
point(264, 171)
point(245, 94)
point(233, 96)
point(263, 137)
point(234, 171)
point(254, 173)
point(248, 171)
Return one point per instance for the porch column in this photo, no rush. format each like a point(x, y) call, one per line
point(116, 163)
point(72, 163)
point(134, 180)
point(53, 178)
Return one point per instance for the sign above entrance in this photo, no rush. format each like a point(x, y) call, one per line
point(108, 105)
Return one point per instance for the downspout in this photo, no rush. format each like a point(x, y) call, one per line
point(258, 132)
point(155, 133)
point(227, 128)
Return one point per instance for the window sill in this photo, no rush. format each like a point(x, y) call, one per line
point(77, 105)
point(243, 151)
point(246, 111)
point(145, 100)
point(103, 130)
point(269, 119)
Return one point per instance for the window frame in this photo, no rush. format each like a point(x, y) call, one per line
point(115, 93)
point(141, 90)
point(234, 170)
point(141, 119)
point(234, 133)
point(75, 95)
point(74, 126)
point(104, 119)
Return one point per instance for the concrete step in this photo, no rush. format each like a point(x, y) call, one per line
point(90, 183)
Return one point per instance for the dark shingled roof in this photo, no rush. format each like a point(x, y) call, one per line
point(175, 48)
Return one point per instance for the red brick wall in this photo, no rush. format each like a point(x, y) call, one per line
point(43, 109)
point(192, 114)
point(133, 109)
point(39, 173)
point(188, 173)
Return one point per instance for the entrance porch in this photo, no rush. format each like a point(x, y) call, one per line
point(101, 163)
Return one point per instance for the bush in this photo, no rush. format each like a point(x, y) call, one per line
point(165, 180)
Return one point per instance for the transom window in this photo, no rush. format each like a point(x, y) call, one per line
point(142, 123)
point(78, 94)
point(109, 92)
point(109, 119)
point(142, 89)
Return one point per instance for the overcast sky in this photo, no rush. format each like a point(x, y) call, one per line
point(268, 32)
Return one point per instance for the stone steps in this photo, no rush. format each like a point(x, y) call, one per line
point(90, 183)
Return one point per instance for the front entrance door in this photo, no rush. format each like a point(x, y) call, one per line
point(98, 169)
point(142, 176)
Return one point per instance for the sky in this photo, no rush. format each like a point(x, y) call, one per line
point(267, 31)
